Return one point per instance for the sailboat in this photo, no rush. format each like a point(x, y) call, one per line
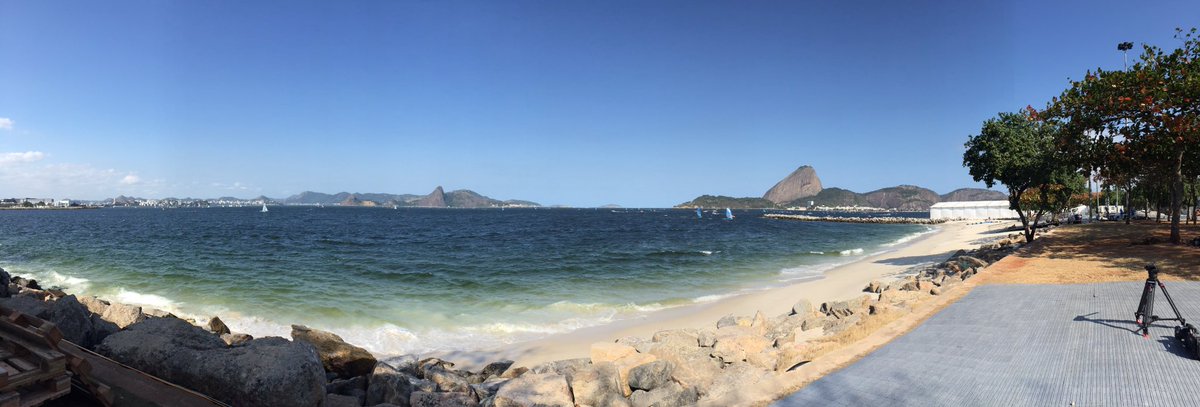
point(699, 213)
point(728, 214)
point(264, 209)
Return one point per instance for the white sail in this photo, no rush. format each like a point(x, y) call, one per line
point(264, 209)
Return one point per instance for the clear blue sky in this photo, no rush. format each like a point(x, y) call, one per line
point(562, 102)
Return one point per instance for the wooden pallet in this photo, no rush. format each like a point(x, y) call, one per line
point(32, 367)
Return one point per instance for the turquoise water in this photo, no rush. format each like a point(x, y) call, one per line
point(414, 280)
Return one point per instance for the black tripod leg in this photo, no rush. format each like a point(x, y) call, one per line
point(1172, 302)
point(1145, 312)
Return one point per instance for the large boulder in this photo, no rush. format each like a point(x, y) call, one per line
point(693, 366)
point(489, 387)
point(669, 395)
point(565, 367)
point(496, 368)
point(264, 372)
point(389, 385)
point(73, 320)
point(625, 364)
point(609, 351)
point(598, 385)
point(337, 356)
point(123, 315)
point(651, 376)
point(447, 380)
point(535, 389)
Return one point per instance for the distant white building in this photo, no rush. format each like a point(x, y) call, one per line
point(972, 210)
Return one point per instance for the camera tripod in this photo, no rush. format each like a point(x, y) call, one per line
point(1145, 317)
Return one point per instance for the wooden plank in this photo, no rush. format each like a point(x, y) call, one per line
point(137, 384)
point(22, 363)
point(10, 399)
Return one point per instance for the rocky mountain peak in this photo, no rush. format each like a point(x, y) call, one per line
point(801, 183)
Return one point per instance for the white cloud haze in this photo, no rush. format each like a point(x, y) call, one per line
point(19, 158)
point(6, 123)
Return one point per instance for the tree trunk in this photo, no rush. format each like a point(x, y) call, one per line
point(1177, 198)
point(1014, 199)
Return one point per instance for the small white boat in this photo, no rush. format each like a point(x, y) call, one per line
point(264, 209)
point(728, 214)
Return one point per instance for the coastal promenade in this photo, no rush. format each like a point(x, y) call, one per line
point(1015, 345)
point(1049, 325)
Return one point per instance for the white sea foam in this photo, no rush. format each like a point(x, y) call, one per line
point(706, 252)
point(135, 298)
point(815, 252)
point(851, 252)
point(713, 298)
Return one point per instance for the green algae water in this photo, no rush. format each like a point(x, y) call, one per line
point(418, 280)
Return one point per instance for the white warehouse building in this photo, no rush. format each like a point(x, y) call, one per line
point(972, 210)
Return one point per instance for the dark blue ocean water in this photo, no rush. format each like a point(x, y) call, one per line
point(406, 280)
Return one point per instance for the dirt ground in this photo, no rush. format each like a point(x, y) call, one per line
point(1100, 252)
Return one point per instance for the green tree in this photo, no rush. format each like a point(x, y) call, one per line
point(1014, 150)
point(1153, 109)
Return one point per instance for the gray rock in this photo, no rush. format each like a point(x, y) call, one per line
point(26, 283)
point(73, 320)
point(565, 367)
point(354, 387)
point(670, 395)
point(489, 387)
point(217, 326)
point(598, 385)
point(388, 385)
point(157, 313)
point(535, 389)
point(514, 372)
point(971, 261)
point(706, 338)
point(5, 280)
point(93, 304)
point(447, 380)
point(682, 336)
point(338, 400)
point(236, 339)
point(405, 363)
point(837, 309)
point(264, 372)
point(496, 368)
point(427, 399)
point(28, 305)
point(123, 315)
point(337, 356)
point(425, 364)
point(693, 366)
point(651, 376)
point(419, 384)
point(101, 329)
point(802, 307)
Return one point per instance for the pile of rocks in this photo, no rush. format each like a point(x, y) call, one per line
point(856, 219)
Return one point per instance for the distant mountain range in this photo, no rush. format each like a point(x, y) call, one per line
point(803, 186)
point(463, 198)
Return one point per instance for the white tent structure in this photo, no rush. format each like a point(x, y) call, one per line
point(972, 210)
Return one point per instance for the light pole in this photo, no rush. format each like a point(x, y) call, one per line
point(1124, 47)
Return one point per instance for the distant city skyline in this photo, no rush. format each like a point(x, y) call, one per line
point(642, 104)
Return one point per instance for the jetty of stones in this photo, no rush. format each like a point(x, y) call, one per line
point(856, 219)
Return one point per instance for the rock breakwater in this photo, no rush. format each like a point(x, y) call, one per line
point(856, 219)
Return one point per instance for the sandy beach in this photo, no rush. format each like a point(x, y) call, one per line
point(840, 283)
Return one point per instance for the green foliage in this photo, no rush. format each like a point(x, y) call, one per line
point(1013, 150)
point(1138, 125)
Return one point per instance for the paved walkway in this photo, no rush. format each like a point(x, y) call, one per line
point(1027, 345)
